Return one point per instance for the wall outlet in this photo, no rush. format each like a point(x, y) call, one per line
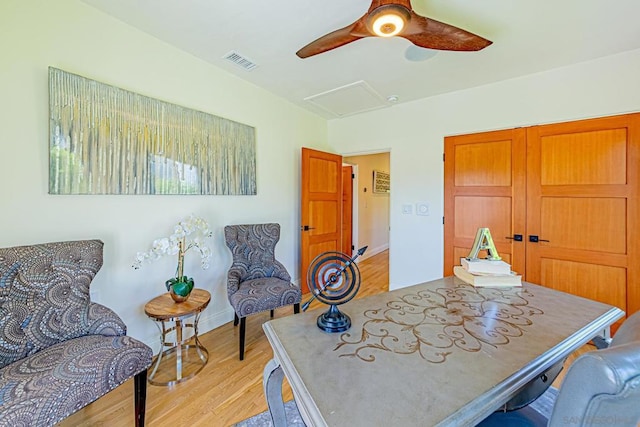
point(407, 209)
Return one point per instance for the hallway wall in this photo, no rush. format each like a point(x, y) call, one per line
point(372, 209)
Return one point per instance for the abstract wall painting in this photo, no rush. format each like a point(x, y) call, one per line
point(107, 140)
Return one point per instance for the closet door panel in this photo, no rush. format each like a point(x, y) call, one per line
point(483, 164)
point(582, 204)
point(597, 282)
point(585, 223)
point(485, 187)
point(584, 158)
point(493, 212)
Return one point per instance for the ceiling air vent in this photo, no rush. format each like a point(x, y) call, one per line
point(240, 60)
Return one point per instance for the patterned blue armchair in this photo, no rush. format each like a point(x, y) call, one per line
point(256, 281)
point(58, 350)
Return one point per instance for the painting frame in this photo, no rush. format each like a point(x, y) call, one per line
point(381, 182)
point(108, 140)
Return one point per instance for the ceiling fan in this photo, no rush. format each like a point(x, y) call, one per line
point(388, 18)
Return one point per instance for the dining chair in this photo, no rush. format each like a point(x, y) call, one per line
point(601, 387)
point(256, 281)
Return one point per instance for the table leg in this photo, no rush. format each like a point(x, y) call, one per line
point(163, 335)
point(272, 384)
point(197, 341)
point(178, 349)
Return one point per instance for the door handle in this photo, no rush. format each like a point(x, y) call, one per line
point(535, 239)
point(516, 237)
point(306, 228)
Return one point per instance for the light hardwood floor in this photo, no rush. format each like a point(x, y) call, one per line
point(226, 390)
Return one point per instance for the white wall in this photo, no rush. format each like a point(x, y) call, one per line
point(415, 132)
point(372, 208)
point(72, 36)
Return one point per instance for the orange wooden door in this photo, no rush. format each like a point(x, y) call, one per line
point(320, 224)
point(347, 210)
point(484, 186)
point(582, 203)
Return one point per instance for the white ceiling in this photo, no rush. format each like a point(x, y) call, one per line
point(528, 36)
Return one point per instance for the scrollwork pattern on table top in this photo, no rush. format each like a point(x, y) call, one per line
point(435, 322)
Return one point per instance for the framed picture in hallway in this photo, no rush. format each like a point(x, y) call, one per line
point(381, 182)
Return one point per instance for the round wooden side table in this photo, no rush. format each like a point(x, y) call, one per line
point(190, 355)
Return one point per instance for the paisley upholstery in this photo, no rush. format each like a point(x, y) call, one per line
point(253, 249)
point(55, 382)
point(256, 281)
point(58, 350)
point(262, 294)
point(45, 296)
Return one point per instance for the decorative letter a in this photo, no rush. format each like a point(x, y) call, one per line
point(483, 241)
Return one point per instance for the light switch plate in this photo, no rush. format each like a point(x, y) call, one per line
point(422, 208)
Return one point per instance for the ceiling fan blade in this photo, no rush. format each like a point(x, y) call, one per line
point(334, 39)
point(432, 34)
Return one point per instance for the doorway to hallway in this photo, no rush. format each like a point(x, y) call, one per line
point(370, 201)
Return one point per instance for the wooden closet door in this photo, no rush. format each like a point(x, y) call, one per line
point(582, 203)
point(485, 186)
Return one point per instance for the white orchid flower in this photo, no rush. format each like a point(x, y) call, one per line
point(180, 242)
point(179, 231)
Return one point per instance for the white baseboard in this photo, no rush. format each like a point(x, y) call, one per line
point(215, 320)
point(374, 251)
point(205, 324)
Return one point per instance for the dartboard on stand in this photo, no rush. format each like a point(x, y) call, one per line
point(334, 279)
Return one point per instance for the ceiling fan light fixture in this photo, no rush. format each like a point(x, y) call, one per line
point(388, 20)
point(388, 25)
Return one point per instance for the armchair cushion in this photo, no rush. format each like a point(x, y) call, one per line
point(266, 293)
point(47, 387)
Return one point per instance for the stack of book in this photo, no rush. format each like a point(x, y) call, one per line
point(482, 272)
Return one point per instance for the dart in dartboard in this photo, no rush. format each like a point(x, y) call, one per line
point(334, 279)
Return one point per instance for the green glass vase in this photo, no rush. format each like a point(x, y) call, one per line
point(179, 288)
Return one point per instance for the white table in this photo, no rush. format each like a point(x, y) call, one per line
point(438, 353)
